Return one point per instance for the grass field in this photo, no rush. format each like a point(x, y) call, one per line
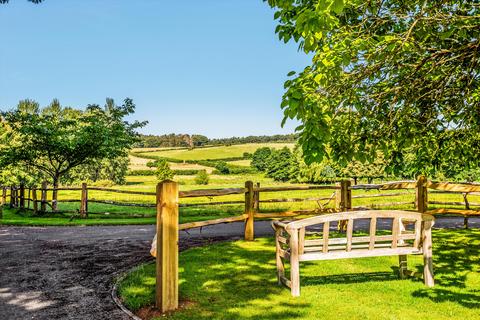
point(110, 214)
point(237, 281)
point(216, 152)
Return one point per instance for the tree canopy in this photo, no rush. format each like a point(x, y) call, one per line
point(54, 140)
point(399, 77)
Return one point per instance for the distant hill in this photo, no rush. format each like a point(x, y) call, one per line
point(196, 140)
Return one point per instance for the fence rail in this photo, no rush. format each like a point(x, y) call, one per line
point(342, 195)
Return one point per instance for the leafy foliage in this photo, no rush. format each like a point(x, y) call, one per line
point(202, 177)
point(54, 140)
point(163, 171)
point(260, 158)
point(281, 165)
point(400, 77)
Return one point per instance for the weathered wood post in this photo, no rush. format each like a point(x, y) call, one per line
point(166, 296)
point(249, 211)
point(34, 200)
point(343, 200)
point(43, 204)
point(29, 197)
point(12, 197)
point(256, 198)
point(421, 195)
point(427, 254)
point(84, 201)
point(467, 207)
point(22, 196)
point(4, 196)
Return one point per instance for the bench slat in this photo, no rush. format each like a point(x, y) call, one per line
point(361, 253)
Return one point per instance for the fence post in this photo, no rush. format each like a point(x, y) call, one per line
point(43, 204)
point(343, 200)
point(421, 195)
point(166, 295)
point(12, 197)
point(256, 198)
point(4, 195)
point(249, 211)
point(22, 196)
point(84, 201)
point(34, 200)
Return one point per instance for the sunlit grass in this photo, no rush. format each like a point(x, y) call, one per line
point(237, 281)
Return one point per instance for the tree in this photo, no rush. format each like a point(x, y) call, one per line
point(113, 170)
point(56, 140)
point(260, 158)
point(281, 165)
point(202, 177)
point(321, 172)
point(163, 171)
point(385, 76)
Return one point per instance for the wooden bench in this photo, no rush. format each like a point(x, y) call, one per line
point(292, 243)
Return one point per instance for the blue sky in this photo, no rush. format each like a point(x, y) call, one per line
point(213, 67)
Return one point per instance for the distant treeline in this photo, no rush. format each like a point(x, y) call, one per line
point(196, 140)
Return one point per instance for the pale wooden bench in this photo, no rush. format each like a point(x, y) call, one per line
point(292, 245)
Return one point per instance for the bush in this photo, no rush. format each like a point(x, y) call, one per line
point(202, 177)
point(222, 167)
point(188, 172)
point(141, 173)
point(163, 171)
point(281, 165)
point(260, 158)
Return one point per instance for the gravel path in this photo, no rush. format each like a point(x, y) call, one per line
point(68, 272)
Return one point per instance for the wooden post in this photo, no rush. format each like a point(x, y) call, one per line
point(4, 195)
point(12, 197)
point(278, 257)
point(84, 201)
point(29, 197)
point(256, 198)
point(166, 296)
point(402, 266)
point(467, 207)
point(421, 196)
point(427, 254)
point(43, 204)
point(34, 200)
point(250, 211)
point(343, 200)
point(294, 264)
point(22, 196)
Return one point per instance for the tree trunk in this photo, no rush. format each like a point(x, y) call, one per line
point(55, 193)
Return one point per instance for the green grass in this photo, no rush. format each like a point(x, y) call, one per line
point(216, 152)
point(236, 280)
point(132, 215)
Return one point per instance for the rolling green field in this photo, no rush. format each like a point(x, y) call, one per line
point(237, 280)
point(113, 214)
point(216, 152)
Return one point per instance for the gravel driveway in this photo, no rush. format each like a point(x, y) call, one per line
point(68, 272)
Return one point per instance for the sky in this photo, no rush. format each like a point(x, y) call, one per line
point(211, 67)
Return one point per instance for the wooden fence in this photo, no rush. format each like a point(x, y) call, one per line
point(168, 198)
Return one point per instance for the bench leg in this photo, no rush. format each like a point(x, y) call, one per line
point(280, 265)
point(427, 255)
point(294, 264)
point(402, 266)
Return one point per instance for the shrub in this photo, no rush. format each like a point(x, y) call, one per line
point(141, 173)
point(202, 177)
point(222, 167)
point(187, 172)
point(163, 171)
point(260, 158)
point(281, 165)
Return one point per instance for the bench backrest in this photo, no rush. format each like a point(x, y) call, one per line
point(405, 239)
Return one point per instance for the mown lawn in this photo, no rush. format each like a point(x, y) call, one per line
point(236, 280)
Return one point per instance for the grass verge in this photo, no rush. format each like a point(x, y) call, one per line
point(236, 280)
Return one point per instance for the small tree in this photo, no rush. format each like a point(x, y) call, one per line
point(222, 167)
point(202, 177)
point(260, 158)
point(163, 171)
point(281, 165)
point(56, 140)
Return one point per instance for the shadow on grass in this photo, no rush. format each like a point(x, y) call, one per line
point(349, 278)
point(456, 256)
